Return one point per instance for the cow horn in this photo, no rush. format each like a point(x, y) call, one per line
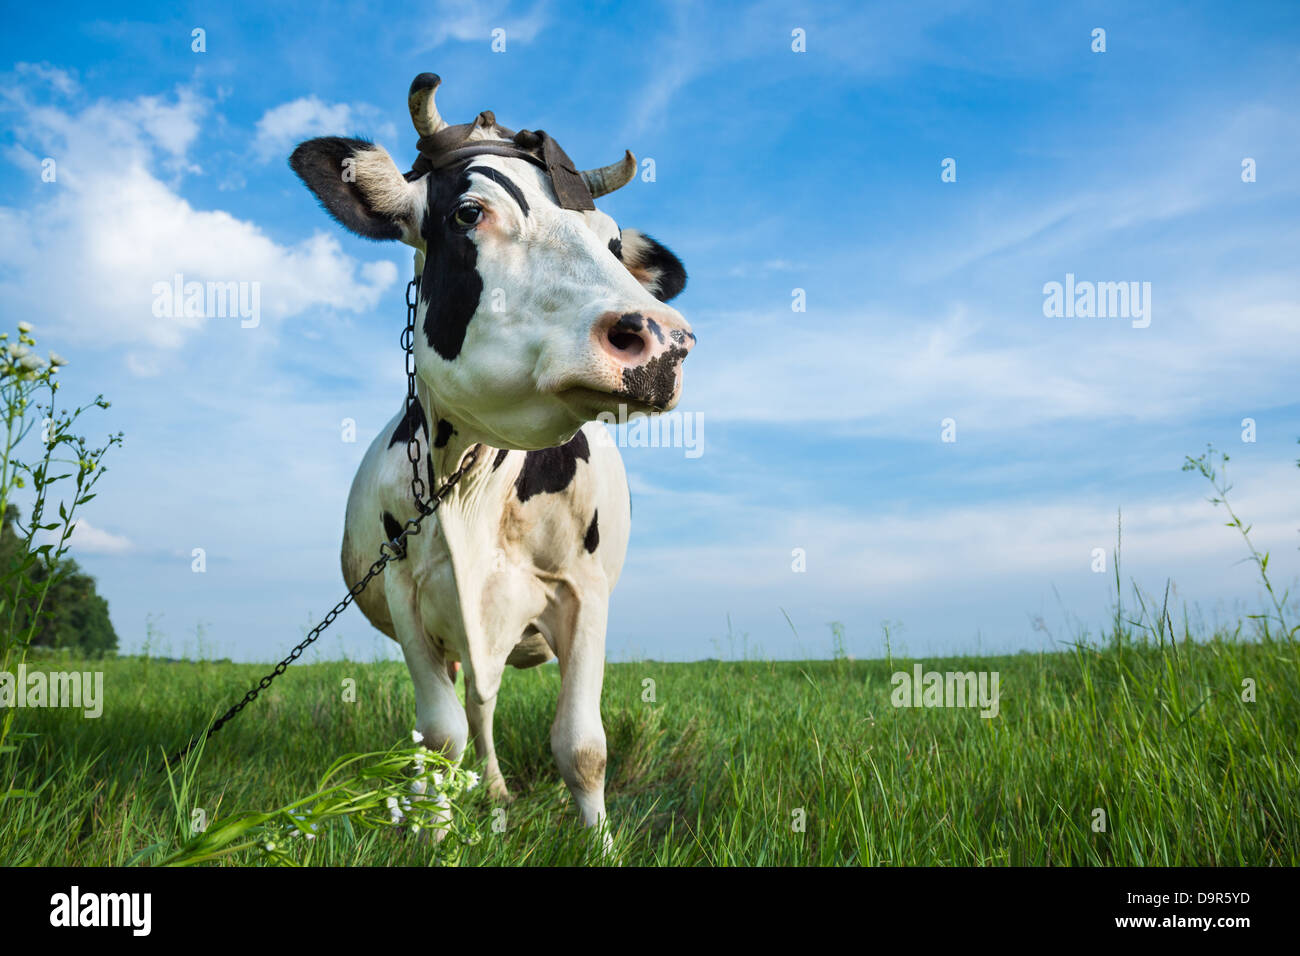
point(424, 112)
point(608, 178)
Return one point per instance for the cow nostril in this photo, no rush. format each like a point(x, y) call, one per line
point(626, 343)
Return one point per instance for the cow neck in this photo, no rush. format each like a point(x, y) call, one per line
point(449, 442)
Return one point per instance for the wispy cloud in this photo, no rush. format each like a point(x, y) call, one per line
point(747, 270)
point(471, 21)
point(60, 80)
point(947, 571)
point(901, 374)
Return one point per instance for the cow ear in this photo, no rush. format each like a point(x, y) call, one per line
point(360, 186)
point(650, 262)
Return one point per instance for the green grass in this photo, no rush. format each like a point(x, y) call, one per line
point(712, 772)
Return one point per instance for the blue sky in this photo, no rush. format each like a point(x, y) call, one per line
point(775, 170)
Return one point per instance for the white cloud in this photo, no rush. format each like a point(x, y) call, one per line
point(85, 256)
point(284, 126)
point(91, 540)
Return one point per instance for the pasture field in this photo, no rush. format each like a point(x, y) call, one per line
point(715, 770)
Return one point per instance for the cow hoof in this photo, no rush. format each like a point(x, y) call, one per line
point(499, 792)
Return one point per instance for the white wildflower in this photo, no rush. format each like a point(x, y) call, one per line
point(394, 811)
point(473, 779)
point(24, 327)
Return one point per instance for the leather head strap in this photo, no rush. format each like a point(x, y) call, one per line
point(452, 145)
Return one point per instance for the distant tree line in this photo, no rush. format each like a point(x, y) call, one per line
point(73, 615)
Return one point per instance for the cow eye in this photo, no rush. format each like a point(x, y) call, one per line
point(467, 215)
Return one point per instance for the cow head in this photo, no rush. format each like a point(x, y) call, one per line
point(533, 318)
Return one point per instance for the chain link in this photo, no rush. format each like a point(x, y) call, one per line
point(394, 550)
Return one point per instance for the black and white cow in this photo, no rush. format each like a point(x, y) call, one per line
point(533, 319)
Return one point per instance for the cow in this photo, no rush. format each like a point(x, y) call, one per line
point(536, 316)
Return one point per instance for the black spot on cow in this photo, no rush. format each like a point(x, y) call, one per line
point(616, 247)
point(405, 429)
point(505, 182)
point(445, 431)
point(551, 469)
point(501, 456)
point(592, 537)
point(450, 282)
point(391, 527)
point(655, 330)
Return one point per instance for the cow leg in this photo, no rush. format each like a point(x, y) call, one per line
point(505, 607)
point(577, 736)
point(480, 728)
point(439, 717)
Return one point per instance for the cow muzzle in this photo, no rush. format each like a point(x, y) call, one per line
point(645, 350)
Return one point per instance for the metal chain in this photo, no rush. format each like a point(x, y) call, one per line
point(413, 442)
point(389, 550)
